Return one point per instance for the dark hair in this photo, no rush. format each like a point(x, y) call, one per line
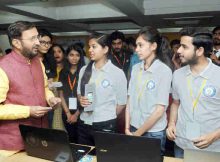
point(8, 50)
point(103, 40)
point(201, 38)
point(81, 62)
point(79, 43)
point(15, 30)
point(163, 50)
point(174, 42)
point(51, 53)
point(215, 29)
point(56, 45)
point(117, 35)
point(130, 40)
point(44, 32)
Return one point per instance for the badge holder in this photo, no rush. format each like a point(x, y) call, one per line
point(72, 103)
point(90, 94)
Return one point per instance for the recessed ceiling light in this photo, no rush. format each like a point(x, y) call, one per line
point(190, 17)
point(187, 22)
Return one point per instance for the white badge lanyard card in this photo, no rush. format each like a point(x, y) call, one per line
point(72, 100)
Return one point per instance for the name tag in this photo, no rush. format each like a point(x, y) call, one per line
point(72, 103)
point(193, 130)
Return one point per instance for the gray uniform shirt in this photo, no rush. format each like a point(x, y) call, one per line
point(111, 89)
point(207, 111)
point(147, 89)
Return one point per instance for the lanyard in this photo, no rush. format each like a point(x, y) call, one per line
point(195, 99)
point(72, 85)
point(119, 62)
point(140, 89)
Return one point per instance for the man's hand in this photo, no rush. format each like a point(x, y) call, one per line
point(39, 111)
point(54, 101)
point(171, 131)
point(205, 140)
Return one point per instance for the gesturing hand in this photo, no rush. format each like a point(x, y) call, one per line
point(39, 111)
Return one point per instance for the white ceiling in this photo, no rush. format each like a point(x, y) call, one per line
point(85, 16)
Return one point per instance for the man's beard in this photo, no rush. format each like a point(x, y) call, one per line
point(192, 61)
point(28, 53)
point(216, 41)
point(117, 50)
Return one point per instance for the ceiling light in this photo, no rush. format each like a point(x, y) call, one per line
point(191, 17)
point(187, 22)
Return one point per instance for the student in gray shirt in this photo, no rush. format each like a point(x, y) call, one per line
point(149, 87)
point(195, 110)
point(107, 93)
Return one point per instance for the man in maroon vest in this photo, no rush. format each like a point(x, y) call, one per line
point(24, 94)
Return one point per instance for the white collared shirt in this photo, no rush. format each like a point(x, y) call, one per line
point(111, 89)
point(151, 87)
point(207, 111)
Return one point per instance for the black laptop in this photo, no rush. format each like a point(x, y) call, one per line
point(122, 148)
point(51, 144)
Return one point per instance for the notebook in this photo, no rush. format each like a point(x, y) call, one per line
point(112, 147)
point(201, 156)
point(51, 144)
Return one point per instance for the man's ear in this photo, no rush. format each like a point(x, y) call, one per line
point(200, 51)
point(16, 43)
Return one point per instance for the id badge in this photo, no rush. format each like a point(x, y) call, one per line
point(72, 103)
point(193, 130)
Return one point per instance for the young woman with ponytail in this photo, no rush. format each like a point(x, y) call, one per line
point(110, 91)
point(149, 87)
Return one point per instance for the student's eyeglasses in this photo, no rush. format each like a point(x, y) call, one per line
point(45, 43)
point(32, 39)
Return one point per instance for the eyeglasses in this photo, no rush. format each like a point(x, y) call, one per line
point(32, 39)
point(44, 43)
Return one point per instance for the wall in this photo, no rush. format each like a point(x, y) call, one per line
point(4, 44)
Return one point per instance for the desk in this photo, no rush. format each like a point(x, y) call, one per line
point(23, 157)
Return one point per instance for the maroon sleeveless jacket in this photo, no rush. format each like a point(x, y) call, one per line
point(26, 87)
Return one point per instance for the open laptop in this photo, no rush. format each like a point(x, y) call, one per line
point(201, 156)
point(51, 144)
point(122, 148)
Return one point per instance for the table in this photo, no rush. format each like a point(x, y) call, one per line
point(23, 157)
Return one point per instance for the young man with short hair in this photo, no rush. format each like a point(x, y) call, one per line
point(195, 110)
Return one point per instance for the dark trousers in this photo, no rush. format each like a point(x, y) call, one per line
point(86, 132)
point(72, 129)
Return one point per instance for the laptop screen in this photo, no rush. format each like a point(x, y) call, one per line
point(201, 156)
point(118, 148)
point(51, 144)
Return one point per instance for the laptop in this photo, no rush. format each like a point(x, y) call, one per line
point(201, 156)
point(112, 147)
point(51, 144)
